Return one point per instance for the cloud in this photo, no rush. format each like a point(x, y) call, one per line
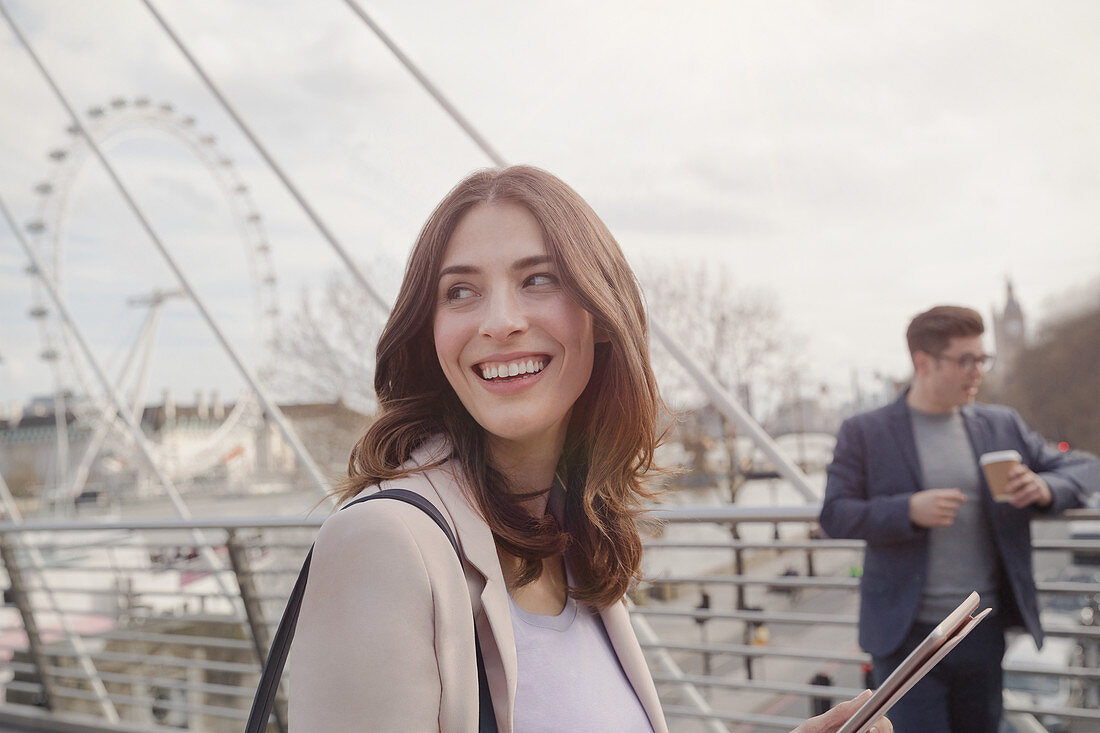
point(864, 159)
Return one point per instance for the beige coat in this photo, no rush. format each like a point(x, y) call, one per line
point(385, 640)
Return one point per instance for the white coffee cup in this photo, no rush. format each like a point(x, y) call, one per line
point(996, 467)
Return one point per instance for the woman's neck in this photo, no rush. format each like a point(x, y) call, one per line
point(528, 467)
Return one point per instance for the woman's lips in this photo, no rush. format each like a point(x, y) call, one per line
point(510, 384)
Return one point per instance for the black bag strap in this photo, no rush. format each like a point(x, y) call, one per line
point(280, 646)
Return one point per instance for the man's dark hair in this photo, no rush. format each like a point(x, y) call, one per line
point(930, 331)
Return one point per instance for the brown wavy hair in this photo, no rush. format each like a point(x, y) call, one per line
point(612, 431)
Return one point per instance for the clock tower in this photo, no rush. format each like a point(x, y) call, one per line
point(1008, 331)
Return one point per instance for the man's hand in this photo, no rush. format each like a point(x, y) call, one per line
point(830, 722)
point(1025, 487)
point(935, 507)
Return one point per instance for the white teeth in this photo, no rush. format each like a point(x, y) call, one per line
point(513, 369)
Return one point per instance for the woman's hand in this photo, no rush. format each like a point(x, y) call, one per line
point(831, 721)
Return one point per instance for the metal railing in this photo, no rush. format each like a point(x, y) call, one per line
point(763, 611)
point(147, 607)
point(744, 615)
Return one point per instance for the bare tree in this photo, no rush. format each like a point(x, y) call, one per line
point(1055, 382)
point(326, 348)
point(735, 333)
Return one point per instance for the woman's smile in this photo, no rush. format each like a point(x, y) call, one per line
point(503, 369)
point(507, 378)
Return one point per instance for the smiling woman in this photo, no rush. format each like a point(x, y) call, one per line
point(516, 396)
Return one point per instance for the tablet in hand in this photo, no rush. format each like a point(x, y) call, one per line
point(928, 653)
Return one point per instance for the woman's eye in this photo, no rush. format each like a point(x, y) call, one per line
point(542, 278)
point(458, 292)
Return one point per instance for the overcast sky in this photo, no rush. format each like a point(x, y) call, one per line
point(860, 160)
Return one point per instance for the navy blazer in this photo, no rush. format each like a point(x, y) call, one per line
point(875, 470)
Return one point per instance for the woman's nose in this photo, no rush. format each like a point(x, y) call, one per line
point(504, 317)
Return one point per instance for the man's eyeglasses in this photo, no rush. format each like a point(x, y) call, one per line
point(966, 362)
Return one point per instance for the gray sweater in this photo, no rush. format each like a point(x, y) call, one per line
point(961, 558)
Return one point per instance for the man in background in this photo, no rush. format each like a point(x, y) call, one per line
point(906, 479)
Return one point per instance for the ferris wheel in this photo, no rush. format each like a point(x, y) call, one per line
point(75, 388)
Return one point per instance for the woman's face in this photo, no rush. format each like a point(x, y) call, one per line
point(516, 349)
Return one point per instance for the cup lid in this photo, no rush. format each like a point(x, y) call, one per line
point(999, 456)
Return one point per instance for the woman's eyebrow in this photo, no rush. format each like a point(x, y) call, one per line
point(458, 270)
point(520, 264)
point(533, 261)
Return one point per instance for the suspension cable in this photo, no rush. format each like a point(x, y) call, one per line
point(429, 87)
point(314, 217)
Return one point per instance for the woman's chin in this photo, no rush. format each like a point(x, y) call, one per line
point(523, 433)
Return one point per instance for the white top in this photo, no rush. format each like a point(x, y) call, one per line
point(569, 676)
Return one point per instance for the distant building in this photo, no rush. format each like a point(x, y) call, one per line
point(1009, 334)
point(803, 415)
point(204, 444)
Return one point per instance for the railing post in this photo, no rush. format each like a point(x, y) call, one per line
point(738, 567)
point(253, 610)
point(701, 620)
point(739, 571)
point(30, 626)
